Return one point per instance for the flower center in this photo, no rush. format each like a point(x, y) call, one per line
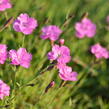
point(25, 24)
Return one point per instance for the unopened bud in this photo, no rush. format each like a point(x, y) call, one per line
point(61, 41)
point(7, 23)
point(50, 67)
point(50, 85)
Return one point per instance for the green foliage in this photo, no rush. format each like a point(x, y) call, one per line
point(92, 88)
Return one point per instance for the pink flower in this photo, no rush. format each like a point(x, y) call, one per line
point(5, 4)
point(51, 32)
point(4, 89)
point(99, 51)
point(25, 24)
point(3, 53)
point(53, 55)
point(60, 53)
point(66, 73)
point(62, 56)
point(85, 28)
point(20, 57)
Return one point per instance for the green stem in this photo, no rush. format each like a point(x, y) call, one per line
point(6, 15)
point(62, 84)
point(23, 41)
point(14, 76)
point(27, 84)
point(14, 86)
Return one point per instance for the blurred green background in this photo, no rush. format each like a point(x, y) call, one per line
point(91, 91)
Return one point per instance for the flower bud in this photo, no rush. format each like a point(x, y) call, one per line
point(61, 41)
point(50, 85)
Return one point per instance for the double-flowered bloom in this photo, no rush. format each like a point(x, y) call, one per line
point(66, 73)
point(85, 28)
point(51, 32)
point(5, 4)
point(99, 51)
point(20, 57)
point(3, 53)
point(4, 89)
point(25, 24)
point(61, 54)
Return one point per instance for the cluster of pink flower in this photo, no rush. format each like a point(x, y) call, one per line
point(87, 28)
point(62, 55)
point(59, 53)
point(20, 57)
point(52, 32)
